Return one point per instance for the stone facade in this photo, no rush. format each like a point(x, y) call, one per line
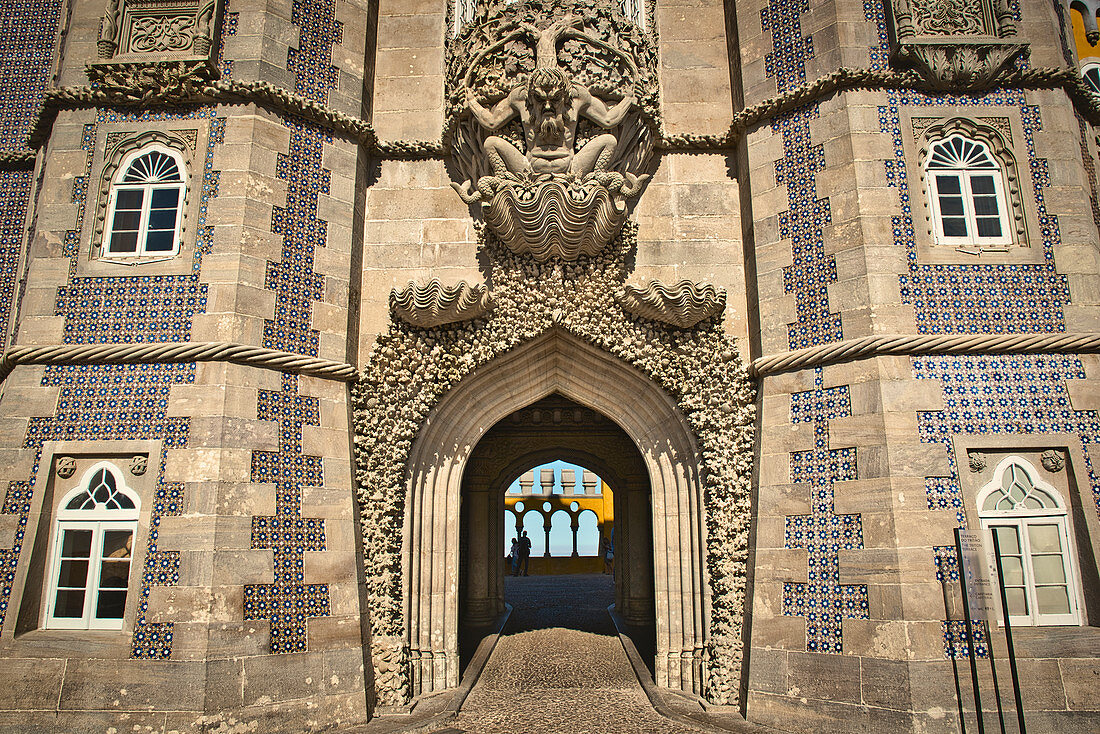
point(713, 225)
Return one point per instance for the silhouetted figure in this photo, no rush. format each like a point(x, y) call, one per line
point(513, 557)
point(524, 553)
point(608, 553)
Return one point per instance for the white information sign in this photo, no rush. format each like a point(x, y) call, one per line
point(976, 572)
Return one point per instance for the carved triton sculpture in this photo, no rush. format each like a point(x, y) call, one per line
point(557, 186)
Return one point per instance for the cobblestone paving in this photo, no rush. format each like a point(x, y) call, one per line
point(559, 667)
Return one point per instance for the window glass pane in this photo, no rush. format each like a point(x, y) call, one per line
point(123, 242)
point(162, 219)
point(992, 500)
point(160, 241)
point(1017, 601)
point(982, 185)
point(954, 227)
point(1049, 569)
point(1052, 600)
point(165, 198)
point(111, 604)
point(989, 228)
point(76, 544)
point(1045, 538)
point(114, 574)
point(117, 543)
point(129, 199)
point(986, 206)
point(124, 502)
point(951, 206)
point(73, 574)
point(1013, 570)
point(948, 185)
point(126, 220)
point(69, 603)
point(1031, 503)
point(1007, 540)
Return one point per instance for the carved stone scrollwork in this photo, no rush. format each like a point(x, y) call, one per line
point(552, 120)
point(182, 29)
point(682, 305)
point(435, 304)
point(948, 17)
point(1053, 461)
point(66, 467)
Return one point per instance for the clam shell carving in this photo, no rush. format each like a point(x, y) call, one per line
point(682, 305)
point(435, 304)
point(555, 218)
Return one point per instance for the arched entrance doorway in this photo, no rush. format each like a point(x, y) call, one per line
point(555, 363)
point(554, 427)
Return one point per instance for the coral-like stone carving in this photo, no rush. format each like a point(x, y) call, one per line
point(682, 305)
point(977, 461)
point(552, 121)
point(435, 304)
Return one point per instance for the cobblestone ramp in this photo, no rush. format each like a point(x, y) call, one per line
point(559, 667)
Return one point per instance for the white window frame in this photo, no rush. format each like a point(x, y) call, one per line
point(1021, 520)
point(965, 176)
point(99, 521)
point(147, 190)
point(1093, 80)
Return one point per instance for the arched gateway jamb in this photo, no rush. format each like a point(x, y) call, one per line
point(555, 362)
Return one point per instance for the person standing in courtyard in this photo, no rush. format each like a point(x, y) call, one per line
point(513, 557)
point(524, 553)
point(608, 553)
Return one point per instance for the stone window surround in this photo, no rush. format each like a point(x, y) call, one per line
point(28, 637)
point(1083, 524)
point(1021, 214)
point(107, 158)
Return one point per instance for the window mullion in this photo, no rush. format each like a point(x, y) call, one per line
point(91, 598)
point(1029, 569)
point(146, 208)
point(968, 208)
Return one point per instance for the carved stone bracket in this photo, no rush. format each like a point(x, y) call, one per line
point(955, 65)
point(683, 305)
point(435, 304)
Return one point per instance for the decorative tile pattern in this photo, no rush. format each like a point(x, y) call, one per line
point(288, 602)
point(984, 395)
point(118, 402)
point(812, 270)
point(955, 640)
point(28, 32)
point(823, 600)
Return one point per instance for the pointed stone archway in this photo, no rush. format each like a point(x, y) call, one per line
point(556, 362)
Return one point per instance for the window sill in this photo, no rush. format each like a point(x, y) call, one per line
point(42, 643)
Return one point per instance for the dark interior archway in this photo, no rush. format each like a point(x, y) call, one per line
point(553, 428)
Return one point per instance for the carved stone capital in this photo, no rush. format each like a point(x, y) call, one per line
point(683, 305)
point(960, 66)
point(434, 304)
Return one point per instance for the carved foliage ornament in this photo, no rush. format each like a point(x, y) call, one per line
point(552, 120)
point(962, 66)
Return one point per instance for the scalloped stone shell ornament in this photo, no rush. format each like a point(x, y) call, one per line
point(435, 304)
point(682, 305)
point(555, 218)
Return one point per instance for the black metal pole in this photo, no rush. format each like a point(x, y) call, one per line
point(993, 672)
point(954, 662)
point(969, 634)
point(1008, 635)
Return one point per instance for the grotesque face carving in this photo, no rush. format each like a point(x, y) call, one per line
point(548, 100)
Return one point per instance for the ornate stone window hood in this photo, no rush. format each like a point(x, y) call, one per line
point(955, 44)
point(160, 31)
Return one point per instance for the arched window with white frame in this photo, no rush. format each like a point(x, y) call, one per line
point(145, 208)
point(1090, 72)
point(92, 552)
point(966, 191)
point(1030, 520)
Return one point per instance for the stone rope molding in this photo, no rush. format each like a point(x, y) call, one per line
point(244, 354)
point(911, 345)
point(151, 91)
point(850, 350)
